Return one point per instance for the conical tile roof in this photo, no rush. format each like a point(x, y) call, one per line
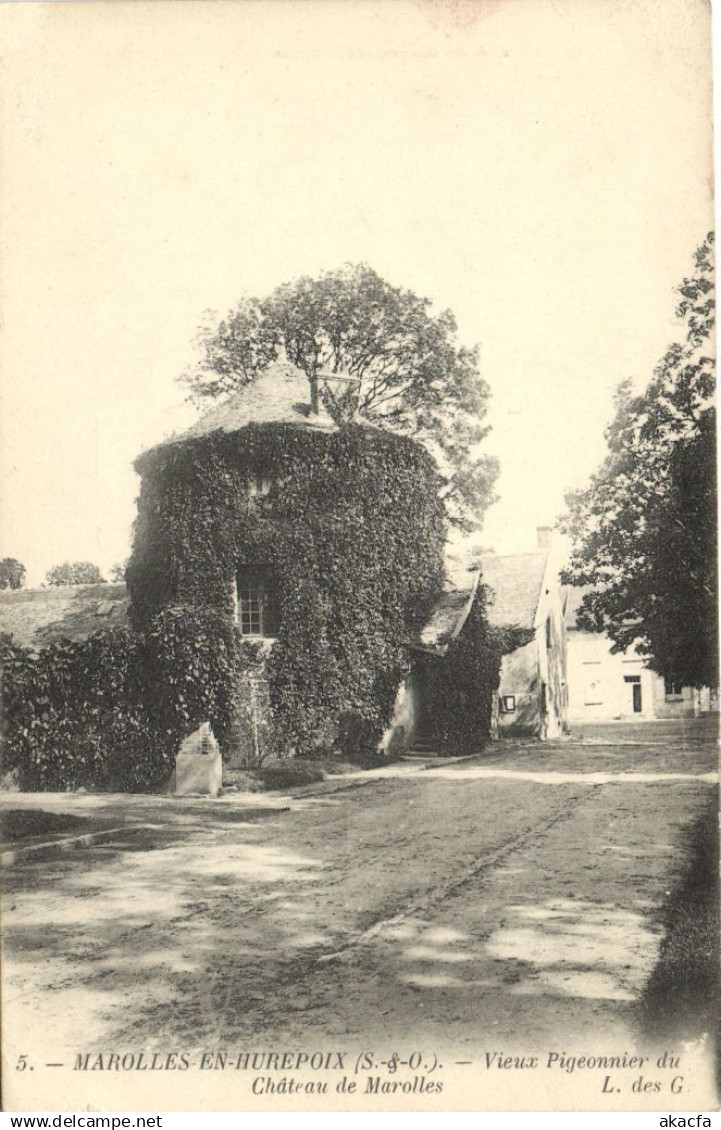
point(280, 395)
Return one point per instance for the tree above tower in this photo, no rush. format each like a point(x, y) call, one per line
point(370, 350)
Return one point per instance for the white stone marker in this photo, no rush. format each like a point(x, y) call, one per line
point(198, 764)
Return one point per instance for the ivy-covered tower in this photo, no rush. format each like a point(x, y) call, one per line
point(316, 547)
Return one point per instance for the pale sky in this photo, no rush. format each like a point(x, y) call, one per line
point(541, 167)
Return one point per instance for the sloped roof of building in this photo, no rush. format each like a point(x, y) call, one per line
point(279, 395)
point(574, 594)
point(450, 613)
point(516, 582)
point(37, 618)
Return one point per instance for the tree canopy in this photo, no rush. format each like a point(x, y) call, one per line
point(12, 573)
point(74, 573)
point(644, 531)
point(372, 350)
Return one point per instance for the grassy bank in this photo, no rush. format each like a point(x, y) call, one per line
point(681, 999)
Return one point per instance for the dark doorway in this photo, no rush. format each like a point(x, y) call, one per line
point(420, 683)
point(635, 681)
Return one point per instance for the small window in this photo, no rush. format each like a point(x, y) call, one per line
point(257, 602)
point(508, 703)
point(672, 689)
point(258, 484)
point(548, 633)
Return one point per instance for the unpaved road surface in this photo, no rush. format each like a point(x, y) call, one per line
point(515, 900)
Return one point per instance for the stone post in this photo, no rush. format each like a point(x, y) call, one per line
point(198, 764)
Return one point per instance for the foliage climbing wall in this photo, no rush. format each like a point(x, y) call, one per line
point(353, 530)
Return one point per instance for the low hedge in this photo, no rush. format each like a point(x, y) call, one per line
point(110, 712)
point(72, 716)
point(289, 774)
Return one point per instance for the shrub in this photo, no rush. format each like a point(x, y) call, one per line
point(289, 774)
point(12, 573)
point(138, 756)
point(74, 573)
point(356, 738)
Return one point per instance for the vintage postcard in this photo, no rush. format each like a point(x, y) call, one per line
point(358, 582)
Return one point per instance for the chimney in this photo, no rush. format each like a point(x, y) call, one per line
point(543, 536)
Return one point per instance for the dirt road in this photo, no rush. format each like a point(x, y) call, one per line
point(519, 897)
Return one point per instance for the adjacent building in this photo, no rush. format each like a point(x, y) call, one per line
point(607, 686)
point(527, 595)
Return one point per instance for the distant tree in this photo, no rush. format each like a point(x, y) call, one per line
point(12, 573)
point(117, 572)
point(74, 573)
point(369, 350)
point(645, 530)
